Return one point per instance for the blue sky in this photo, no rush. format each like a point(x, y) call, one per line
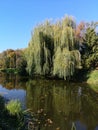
point(19, 17)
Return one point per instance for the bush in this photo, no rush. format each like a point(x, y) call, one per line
point(14, 107)
point(93, 77)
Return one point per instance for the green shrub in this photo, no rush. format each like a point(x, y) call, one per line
point(93, 77)
point(14, 107)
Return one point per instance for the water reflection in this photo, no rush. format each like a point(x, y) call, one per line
point(60, 106)
point(13, 87)
point(64, 103)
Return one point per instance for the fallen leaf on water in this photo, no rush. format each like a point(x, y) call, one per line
point(58, 128)
point(49, 121)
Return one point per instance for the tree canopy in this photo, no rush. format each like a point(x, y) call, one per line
point(54, 49)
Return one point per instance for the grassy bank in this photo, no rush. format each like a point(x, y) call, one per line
point(93, 77)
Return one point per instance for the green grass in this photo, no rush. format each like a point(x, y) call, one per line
point(93, 77)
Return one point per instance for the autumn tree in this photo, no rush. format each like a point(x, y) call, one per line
point(13, 59)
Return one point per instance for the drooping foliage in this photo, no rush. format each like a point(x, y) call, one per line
point(53, 49)
point(67, 57)
point(65, 63)
point(40, 49)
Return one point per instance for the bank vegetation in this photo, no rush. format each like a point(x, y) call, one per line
point(62, 49)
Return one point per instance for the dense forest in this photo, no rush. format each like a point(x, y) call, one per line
point(57, 49)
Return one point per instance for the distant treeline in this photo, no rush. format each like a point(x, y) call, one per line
point(13, 61)
point(58, 49)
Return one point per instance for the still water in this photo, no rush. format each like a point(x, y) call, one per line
point(61, 105)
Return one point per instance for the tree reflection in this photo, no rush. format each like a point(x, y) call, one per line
point(11, 81)
point(57, 104)
point(64, 103)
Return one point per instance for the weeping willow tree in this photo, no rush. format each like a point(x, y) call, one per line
point(67, 56)
point(40, 50)
point(53, 49)
point(65, 62)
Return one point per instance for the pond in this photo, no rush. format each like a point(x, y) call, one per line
point(61, 105)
